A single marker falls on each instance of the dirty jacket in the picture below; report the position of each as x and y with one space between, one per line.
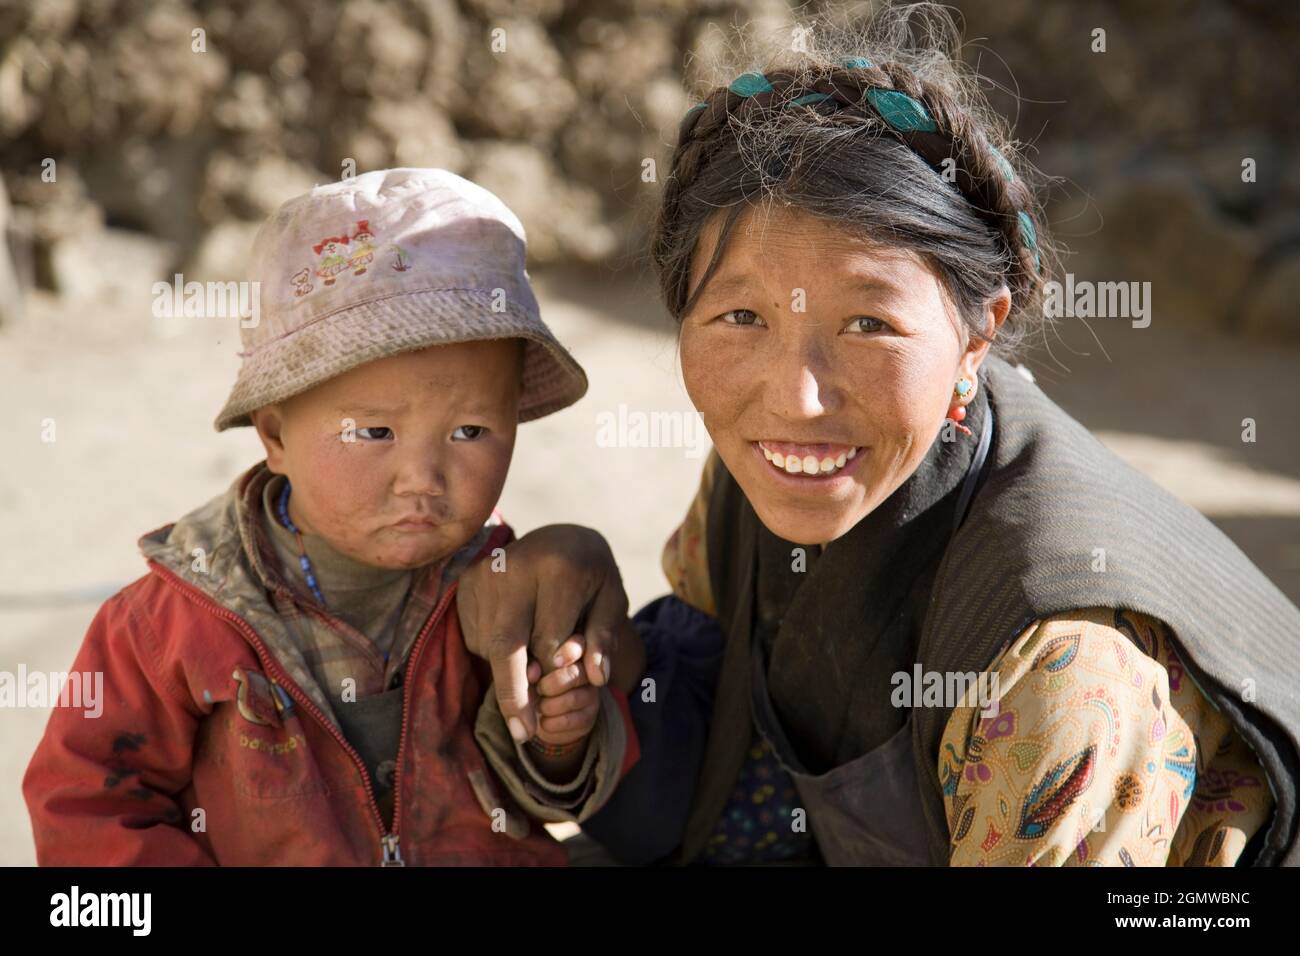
209 752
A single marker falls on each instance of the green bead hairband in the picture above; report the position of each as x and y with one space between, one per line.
904 114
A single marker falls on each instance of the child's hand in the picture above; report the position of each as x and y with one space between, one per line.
567 704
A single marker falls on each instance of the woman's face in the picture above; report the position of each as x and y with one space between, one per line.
811 351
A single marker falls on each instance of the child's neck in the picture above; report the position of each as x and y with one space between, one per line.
336 573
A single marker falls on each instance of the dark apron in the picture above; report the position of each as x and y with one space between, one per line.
866 812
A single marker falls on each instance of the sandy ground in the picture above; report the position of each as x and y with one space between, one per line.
132 400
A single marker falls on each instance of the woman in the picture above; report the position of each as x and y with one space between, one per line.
892 509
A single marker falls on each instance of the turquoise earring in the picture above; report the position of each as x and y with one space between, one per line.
957 412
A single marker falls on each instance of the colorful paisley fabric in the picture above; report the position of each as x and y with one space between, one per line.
1103 753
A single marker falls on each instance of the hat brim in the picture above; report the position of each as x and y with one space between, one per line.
343 340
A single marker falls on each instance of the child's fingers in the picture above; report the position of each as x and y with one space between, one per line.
562 680
583 719
564 738
569 652
579 699
534 672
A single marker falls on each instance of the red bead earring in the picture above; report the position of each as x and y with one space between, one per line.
957 412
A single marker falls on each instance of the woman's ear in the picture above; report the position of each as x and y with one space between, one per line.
269 421
995 313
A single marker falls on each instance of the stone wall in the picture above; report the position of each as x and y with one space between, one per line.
153 137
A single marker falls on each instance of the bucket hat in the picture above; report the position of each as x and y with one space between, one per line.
386 262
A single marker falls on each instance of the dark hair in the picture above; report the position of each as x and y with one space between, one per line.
849 168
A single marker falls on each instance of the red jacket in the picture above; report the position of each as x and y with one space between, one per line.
190 723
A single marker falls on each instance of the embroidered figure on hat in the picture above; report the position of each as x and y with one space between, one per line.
363 252
332 257
400 262
302 282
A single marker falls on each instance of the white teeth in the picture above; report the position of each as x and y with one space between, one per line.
808 464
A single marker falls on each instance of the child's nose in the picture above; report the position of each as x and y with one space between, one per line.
421 474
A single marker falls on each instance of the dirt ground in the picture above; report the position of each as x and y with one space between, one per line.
132 401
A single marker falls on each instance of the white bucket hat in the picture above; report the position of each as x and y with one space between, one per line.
386 262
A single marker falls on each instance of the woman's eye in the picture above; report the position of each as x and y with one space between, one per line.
467 432
375 434
866 324
742 317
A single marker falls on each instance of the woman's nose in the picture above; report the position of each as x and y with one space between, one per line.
803 386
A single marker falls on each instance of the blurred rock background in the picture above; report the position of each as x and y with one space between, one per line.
188 140
132 148
552 104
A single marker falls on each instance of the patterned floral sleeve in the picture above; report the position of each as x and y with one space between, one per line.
684 561
1101 751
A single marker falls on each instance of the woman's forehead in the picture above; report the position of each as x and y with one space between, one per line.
791 245
760 231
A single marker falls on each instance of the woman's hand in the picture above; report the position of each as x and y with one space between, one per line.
555 583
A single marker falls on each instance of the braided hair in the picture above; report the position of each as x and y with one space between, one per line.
885 155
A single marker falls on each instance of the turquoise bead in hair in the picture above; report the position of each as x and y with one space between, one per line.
1030 236
810 98
901 111
1006 167
750 84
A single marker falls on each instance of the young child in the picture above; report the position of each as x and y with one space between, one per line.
288 684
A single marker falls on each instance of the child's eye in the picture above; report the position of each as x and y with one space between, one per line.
872 324
467 432
375 434
742 317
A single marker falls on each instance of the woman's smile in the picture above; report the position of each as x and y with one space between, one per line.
818 458
801 465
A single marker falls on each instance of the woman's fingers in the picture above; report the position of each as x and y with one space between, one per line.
510 678
608 615
496 624
552 578
566 566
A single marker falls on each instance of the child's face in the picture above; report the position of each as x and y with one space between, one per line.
424 464
809 345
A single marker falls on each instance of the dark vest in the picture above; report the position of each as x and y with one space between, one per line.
1050 494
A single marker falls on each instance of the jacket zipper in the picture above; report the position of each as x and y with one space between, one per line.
391 854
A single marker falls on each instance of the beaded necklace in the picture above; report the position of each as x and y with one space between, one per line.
303 560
